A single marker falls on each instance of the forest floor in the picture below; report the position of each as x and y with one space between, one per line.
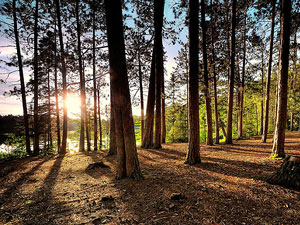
226 188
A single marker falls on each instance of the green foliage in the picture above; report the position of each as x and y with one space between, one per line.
14 147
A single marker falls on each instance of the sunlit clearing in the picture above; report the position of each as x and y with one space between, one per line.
73 105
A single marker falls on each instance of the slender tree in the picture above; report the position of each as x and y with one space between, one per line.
128 163
64 80
279 135
21 74
269 73
82 89
231 78
193 154
209 138
36 141
56 91
94 78
241 108
148 136
100 123
159 69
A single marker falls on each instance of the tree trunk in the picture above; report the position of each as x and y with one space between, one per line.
279 136
262 96
23 91
64 80
49 112
82 91
231 78
128 163
56 92
159 70
141 95
163 111
193 154
148 136
112 134
100 123
267 100
294 82
217 132
86 113
36 129
241 109
209 140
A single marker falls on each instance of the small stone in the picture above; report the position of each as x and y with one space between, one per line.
177 196
171 206
107 198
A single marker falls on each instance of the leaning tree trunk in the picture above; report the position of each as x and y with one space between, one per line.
268 83
193 154
231 78
128 163
64 80
148 136
159 70
279 136
82 91
209 139
23 92
288 174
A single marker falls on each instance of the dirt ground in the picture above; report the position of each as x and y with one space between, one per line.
226 188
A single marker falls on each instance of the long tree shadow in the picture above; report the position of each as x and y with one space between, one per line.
43 208
14 187
235 168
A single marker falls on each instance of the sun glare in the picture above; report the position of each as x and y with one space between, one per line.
73 105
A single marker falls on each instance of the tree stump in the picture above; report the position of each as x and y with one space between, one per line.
288 174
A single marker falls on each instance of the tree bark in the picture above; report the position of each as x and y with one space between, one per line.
64 80
231 78
209 139
94 79
241 109
56 91
294 81
49 113
279 136
100 123
141 94
217 132
82 91
193 154
148 136
36 142
268 83
163 111
128 163
21 74
159 70
262 97
112 134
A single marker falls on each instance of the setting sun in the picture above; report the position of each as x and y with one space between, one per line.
73 105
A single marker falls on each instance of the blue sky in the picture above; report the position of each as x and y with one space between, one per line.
12 105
